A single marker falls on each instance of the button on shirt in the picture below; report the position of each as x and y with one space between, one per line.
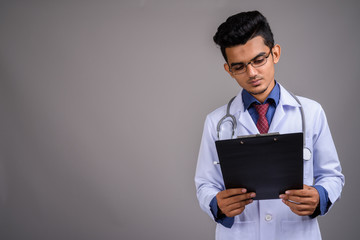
268 217
273 100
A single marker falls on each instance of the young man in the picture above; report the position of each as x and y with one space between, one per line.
247 44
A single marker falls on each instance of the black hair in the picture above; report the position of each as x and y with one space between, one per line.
240 28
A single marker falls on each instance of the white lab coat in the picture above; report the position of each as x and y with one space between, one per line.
272 219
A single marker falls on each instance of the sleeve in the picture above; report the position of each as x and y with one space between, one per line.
324 202
220 218
327 168
208 177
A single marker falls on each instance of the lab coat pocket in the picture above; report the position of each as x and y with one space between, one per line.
300 230
246 230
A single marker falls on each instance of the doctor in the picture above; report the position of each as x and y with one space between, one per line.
263 105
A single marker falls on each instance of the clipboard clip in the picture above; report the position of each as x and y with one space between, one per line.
259 135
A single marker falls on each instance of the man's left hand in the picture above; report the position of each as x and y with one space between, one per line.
302 202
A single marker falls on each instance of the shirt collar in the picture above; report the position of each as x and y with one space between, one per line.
273 97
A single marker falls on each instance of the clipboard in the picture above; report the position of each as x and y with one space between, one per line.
268 164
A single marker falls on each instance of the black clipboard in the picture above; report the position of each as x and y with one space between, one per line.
268 164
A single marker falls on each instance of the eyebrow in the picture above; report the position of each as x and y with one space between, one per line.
238 63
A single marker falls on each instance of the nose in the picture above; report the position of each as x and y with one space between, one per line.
251 71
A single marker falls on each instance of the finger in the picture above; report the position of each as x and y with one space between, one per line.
307 190
297 206
238 201
302 200
311 201
231 204
290 197
236 208
232 192
300 209
300 193
239 198
235 212
301 213
240 204
244 197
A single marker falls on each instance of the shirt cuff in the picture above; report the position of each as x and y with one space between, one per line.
324 200
220 218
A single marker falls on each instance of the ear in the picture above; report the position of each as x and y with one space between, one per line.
227 68
276 53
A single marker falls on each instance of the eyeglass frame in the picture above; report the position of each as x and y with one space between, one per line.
250 62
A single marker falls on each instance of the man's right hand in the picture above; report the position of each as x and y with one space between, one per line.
232 202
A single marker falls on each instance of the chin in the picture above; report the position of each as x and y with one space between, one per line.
257 91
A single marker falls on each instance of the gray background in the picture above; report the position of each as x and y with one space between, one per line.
102 105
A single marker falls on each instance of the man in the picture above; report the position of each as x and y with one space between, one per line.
247 44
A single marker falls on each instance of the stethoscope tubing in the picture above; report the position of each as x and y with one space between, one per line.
233 122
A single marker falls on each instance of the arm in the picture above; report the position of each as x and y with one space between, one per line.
326 171
213 198
326 166
208 177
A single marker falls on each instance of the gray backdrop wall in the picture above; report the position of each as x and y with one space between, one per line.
102 106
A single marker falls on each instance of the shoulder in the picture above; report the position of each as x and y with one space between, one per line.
310 105
217 114
309 102
314 113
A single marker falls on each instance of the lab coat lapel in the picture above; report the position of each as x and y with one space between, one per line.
246 123
286 100
277 118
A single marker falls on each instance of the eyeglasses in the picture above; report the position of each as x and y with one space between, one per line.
239 68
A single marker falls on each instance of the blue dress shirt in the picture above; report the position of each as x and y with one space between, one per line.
273 100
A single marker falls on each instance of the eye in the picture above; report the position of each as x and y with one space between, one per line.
238 67
259 60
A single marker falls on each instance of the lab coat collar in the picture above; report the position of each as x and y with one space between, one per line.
245 119
285 100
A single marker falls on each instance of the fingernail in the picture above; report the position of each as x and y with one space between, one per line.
281 196
244 190
252 195
287 192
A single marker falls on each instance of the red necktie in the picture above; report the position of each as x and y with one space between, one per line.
262 123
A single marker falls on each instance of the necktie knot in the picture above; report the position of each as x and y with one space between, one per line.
262 123
262 108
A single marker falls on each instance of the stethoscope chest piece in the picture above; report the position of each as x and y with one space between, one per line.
306 154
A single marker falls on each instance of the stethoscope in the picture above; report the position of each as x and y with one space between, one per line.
231 118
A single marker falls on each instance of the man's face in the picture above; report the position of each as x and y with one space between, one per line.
257 81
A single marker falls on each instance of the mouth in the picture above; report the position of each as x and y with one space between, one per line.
255 82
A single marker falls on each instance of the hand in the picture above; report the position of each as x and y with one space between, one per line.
232 202
302 202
